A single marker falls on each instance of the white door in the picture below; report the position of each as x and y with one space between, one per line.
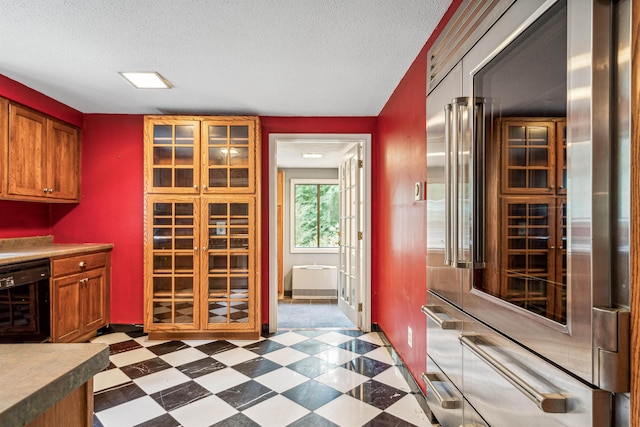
351 236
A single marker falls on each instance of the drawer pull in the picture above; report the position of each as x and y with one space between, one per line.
82 264
547 402
432 312
85 280
445 402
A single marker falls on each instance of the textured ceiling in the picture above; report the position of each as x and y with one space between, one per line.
262 57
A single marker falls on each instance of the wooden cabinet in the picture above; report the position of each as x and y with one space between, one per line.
200 155
42 157
202 227
80 294
532 213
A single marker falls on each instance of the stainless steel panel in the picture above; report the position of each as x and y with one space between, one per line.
495 397
443 345
588 252
443 398
471 416
441 278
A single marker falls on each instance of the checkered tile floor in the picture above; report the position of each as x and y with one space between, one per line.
293 378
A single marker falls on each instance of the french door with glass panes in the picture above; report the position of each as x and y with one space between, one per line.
202 259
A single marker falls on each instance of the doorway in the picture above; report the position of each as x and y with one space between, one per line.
338 147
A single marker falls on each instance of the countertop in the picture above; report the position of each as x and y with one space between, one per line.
31 248
36 376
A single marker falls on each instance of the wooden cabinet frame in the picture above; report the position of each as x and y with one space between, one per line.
194 302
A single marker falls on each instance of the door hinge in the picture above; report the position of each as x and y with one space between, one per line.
611 349
359 235
360 164
359 307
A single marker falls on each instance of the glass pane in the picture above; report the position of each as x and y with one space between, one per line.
238 262
184 287
184 263
218 177
517 157
218 244
162 156
184 244
160 243
239 133
218 312
218 285
239 177
239 312
218 209
185 134
162 134
162 312
237 243
184 156
162 177
162 263
538 179
516 135
240 285
538 135
218 156
218 262
217 135
517 178
161 286
239 156
184 177
306 215
184 312
239 209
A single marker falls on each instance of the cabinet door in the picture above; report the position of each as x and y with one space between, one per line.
228 152
66 300
27 153
528 157
228 264
94 304
64 161
173 156
172 255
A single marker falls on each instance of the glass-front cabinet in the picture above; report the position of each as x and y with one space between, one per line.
201 227
200 155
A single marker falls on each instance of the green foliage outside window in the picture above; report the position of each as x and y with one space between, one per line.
316 215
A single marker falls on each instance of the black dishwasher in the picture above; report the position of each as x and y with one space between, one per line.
24 302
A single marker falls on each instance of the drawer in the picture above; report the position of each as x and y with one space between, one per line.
444 399
78 264
499 375
445 323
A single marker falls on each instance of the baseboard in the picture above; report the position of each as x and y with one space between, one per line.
406 374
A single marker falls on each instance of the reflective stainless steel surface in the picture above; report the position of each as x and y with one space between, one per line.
502 403
553 371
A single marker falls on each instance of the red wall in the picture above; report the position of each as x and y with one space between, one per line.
111 206
401 220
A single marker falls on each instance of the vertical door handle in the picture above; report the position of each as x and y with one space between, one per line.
447 185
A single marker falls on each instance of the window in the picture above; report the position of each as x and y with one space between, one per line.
315 215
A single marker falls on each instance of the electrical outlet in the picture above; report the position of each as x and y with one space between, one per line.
409 336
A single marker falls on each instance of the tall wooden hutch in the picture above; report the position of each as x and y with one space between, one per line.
202 227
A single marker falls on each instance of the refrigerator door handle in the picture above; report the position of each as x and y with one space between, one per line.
447 186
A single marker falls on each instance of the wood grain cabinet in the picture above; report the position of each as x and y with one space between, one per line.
41 158
79 296
202 227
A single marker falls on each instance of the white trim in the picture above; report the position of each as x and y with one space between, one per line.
272 226
292 214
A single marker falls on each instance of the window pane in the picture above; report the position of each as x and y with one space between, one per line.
317 215
306 215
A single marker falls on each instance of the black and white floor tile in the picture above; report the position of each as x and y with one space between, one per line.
293 378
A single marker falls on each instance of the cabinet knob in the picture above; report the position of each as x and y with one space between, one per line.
45 190
204 248
195 248
82 264
50 190
195 187
204 187
85 280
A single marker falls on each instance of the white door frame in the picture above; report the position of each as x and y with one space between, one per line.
272 226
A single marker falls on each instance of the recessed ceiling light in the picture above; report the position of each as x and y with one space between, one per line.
146 79
312 155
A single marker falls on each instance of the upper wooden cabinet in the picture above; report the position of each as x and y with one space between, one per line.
201 155
41 157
